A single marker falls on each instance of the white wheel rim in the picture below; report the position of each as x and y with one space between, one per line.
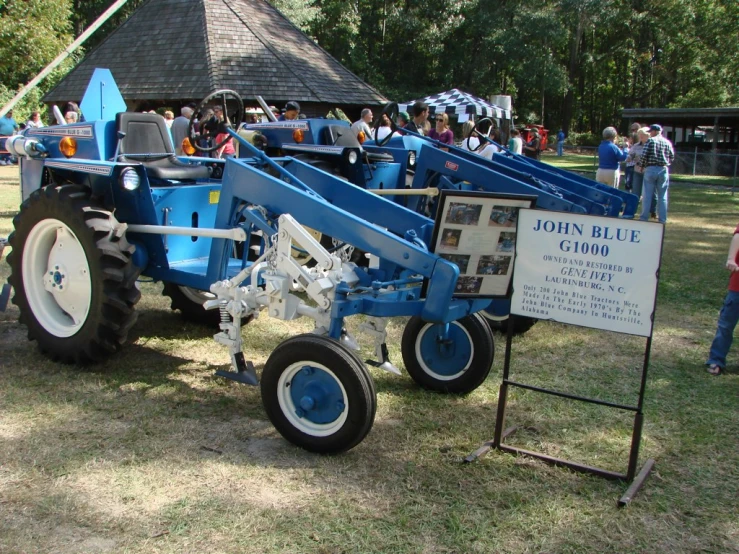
56 278
493 317
288 407
430 371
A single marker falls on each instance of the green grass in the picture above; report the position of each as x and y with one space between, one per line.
150 453
588 163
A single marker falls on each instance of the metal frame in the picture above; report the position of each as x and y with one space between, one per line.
500 434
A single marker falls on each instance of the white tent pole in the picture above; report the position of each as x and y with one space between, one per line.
61 57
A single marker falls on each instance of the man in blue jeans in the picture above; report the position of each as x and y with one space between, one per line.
656 159
560 143
729 315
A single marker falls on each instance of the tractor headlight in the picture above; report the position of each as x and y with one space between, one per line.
352 157
129 179
68 146
411 159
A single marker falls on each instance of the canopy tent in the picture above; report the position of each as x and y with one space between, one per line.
456 102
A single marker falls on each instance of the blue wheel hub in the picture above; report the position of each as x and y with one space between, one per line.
445 349
316 395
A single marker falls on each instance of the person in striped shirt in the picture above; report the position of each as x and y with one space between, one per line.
655 160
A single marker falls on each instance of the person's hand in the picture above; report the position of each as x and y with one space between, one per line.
731 265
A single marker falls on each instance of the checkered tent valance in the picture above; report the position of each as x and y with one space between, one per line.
456 102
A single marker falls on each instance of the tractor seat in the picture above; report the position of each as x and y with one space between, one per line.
338 135
147 141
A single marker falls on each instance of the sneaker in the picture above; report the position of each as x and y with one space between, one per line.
653 215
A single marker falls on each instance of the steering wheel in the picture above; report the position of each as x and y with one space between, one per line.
212 127
483 137
391 111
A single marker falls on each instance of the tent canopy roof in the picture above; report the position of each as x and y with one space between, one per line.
457 102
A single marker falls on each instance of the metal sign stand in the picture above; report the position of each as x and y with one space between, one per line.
500 435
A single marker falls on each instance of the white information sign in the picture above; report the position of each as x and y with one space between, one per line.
593 271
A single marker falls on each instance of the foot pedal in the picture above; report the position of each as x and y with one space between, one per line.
245 373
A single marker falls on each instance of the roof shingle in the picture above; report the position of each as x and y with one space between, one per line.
184 49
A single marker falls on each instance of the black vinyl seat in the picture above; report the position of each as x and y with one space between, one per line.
147 142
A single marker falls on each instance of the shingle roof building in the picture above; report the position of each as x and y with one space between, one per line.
175 51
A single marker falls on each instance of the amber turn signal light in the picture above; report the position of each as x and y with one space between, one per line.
187 148
298 135
361 137
68 146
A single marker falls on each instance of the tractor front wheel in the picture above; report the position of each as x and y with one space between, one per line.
318 394
71 269
454 357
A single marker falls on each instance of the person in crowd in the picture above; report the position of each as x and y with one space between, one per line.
532 149
180 126
656 159
71 117
609 157
488 148
420 115
635 153
168 119
515 144
362 125
292 111
441 131
227 150
560 143
469 142
73 107
35 121
275 111
384 128
729 315
8 127
634 132
402 119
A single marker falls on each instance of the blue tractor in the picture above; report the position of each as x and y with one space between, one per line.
411 169
106 201
435 166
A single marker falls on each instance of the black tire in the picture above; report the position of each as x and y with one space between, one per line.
521 325
189 302
450 371
101 276
285 368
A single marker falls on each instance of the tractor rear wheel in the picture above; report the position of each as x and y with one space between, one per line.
318 394
74 280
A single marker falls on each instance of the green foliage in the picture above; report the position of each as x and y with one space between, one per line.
32 34
583 139
573 64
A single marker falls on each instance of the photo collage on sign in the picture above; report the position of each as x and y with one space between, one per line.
479 236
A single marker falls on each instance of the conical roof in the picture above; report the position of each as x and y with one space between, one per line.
186 49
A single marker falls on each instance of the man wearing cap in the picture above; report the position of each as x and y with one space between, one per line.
292 111
532 148
180 125
656 158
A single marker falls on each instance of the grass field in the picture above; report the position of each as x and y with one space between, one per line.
150 453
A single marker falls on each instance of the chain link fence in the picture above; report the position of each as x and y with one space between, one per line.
696 163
